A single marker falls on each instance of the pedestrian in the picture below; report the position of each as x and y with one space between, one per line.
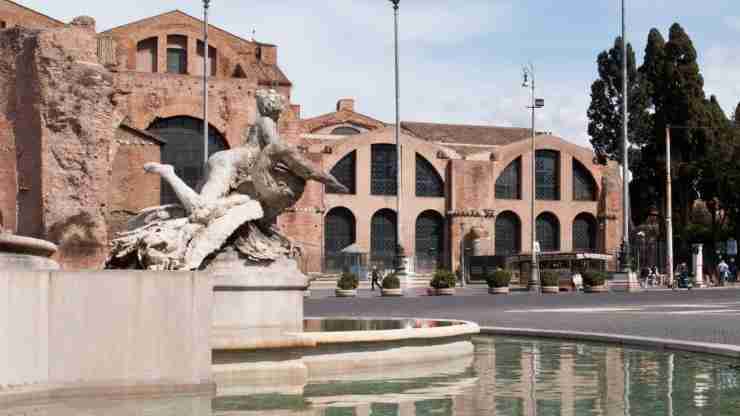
375 278
733 270
724 271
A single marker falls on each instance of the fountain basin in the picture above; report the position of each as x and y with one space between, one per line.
25 253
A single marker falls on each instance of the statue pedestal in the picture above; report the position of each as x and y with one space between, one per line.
698 264
625 281
254 306
24 253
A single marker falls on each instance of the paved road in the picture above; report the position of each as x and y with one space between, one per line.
707 315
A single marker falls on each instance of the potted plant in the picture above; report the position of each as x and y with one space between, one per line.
443 282
594 282
347 285
498 282
550 282
391 286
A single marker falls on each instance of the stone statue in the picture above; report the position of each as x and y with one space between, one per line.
244 191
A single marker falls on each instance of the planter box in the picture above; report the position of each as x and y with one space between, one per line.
391 292
499 290
341 293
596 289
551 289
447 291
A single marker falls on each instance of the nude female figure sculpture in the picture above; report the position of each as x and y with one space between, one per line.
245 189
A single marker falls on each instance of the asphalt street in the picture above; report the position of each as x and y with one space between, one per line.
705 315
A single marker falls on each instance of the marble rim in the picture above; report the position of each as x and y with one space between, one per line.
667 344
390 335
26 245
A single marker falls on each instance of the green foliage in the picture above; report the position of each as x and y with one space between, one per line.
348 281
443 279
591 279
499 278
391 282
550 279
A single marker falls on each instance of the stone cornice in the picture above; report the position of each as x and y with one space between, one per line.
472 213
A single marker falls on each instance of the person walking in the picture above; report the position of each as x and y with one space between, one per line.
733 270
375 279
724 272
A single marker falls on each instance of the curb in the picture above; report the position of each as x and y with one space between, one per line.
724 350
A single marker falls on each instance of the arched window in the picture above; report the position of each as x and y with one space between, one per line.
429 241
184 149
548 232
428 182
509 183
508 234
383 239
177 54
383 169
584 233
584 185
146 55
339 232
547 168
344 171
345 131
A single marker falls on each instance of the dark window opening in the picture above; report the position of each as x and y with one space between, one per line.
339 233
508 234
508 185
584 233
344 172
383 239
383 170
548 175
548 232
345 131
428 181
584 186
429 242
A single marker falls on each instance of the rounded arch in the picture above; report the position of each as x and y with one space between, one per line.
584 232
428 181
345 172
584 184
340 231
508 234
548 232
509 182
183 149
383 238
345 131
429 241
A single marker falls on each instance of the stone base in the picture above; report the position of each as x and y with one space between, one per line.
448 291
596 289
342 293
24 253
551 289
624 282
499 290
391 292
255 305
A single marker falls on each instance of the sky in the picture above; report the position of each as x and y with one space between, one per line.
461 60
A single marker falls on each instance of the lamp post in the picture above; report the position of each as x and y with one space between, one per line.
529 82
206 6
401 268
625 256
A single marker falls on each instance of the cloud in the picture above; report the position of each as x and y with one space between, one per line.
733 22
721 70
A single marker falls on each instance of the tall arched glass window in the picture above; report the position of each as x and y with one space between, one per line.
184 150
584 233
584 185
428 182
177 54
429 241
508 184
508 234
383 239
548 232
339 232
547 166
344 172
383 169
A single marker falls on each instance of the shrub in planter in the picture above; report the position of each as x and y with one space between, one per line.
550 279
391 282
593 279
348 281
443 279
499 278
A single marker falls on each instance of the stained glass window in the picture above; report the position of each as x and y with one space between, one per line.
339 232
548 232
344 172
428 182
547 168
383 239
383 169
584 233
508 184
508 234
584 186
429 241
184 150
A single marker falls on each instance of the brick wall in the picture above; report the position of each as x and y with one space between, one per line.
13 14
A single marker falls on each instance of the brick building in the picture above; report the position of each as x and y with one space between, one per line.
74 174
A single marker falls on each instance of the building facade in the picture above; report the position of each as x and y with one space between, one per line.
76 135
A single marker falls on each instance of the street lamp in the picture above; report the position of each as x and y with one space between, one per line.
535 103
401 267
206 6
625 255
